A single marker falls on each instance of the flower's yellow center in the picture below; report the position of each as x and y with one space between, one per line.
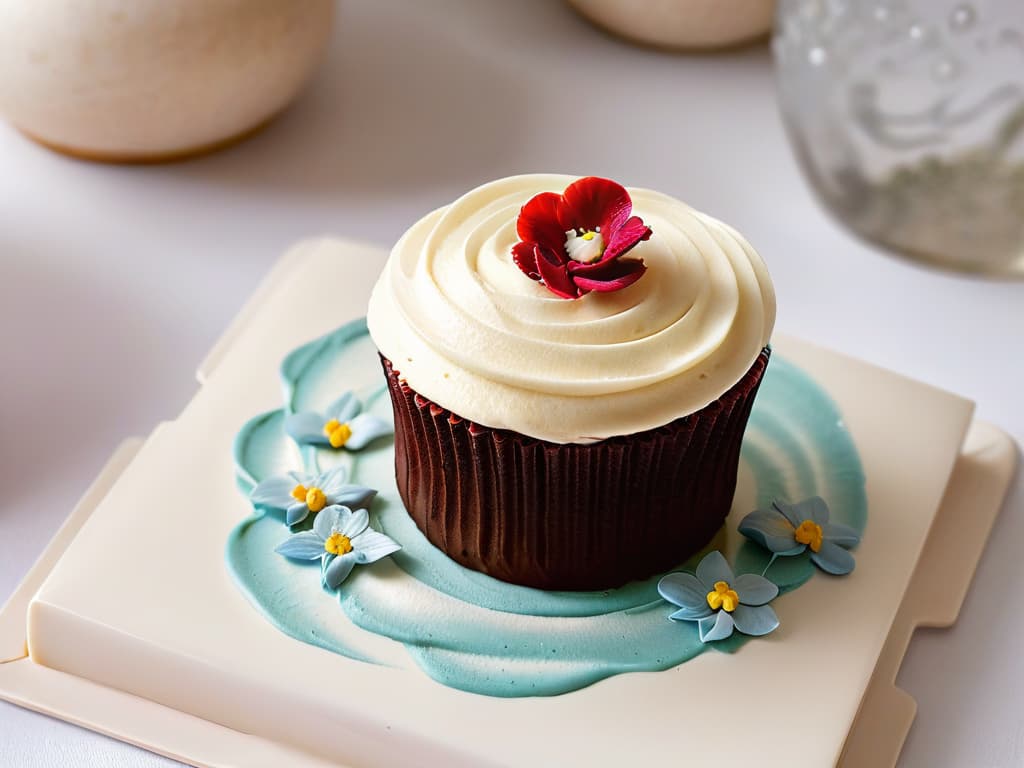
338 544
722 596
587 247
337 432
809 533
314 497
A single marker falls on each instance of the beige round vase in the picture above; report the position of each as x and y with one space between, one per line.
682 24
154 80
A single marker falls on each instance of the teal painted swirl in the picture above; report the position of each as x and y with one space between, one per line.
475 633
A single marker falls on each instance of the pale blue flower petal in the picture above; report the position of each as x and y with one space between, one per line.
713 568
345 408
302 546
296 513
691 614
684 590
351 523
370 546
332 482
306 427
716 627
327 519
755 620
365 429
791 512
754 589
843 535
339 569
814 509
353 496
276 492
833 559
771 530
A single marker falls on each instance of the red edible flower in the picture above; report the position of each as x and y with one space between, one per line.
574 242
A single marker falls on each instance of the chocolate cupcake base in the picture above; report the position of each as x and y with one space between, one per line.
569 516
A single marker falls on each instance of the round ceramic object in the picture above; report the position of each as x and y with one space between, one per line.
684 24
150 80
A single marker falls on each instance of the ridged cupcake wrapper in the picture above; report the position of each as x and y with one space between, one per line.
569 517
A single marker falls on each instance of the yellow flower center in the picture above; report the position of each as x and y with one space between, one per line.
722 596
809 532
337 432
338 544
589 235
314 497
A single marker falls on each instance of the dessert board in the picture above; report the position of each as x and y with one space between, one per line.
130 623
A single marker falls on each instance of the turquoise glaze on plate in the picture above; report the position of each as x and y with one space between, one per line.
475 633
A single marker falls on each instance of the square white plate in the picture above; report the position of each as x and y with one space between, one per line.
136 629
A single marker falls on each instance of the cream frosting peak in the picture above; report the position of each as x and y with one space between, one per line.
468 330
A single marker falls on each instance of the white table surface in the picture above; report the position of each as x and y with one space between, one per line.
115 281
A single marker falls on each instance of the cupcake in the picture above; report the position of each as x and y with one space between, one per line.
572 365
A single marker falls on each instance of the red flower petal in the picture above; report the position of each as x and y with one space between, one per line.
593 202
525 258
587 204
625 238
538 222
556 275
608 276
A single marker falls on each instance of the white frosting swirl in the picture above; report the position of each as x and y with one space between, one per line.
468 330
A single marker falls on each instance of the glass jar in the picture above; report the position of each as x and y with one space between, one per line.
907 116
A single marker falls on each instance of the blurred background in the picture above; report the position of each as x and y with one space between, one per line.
115 280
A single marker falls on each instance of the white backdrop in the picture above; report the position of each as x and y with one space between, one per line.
114 282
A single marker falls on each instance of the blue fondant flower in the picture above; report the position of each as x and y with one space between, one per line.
341 539
789 529
719 601
297 494
341 425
